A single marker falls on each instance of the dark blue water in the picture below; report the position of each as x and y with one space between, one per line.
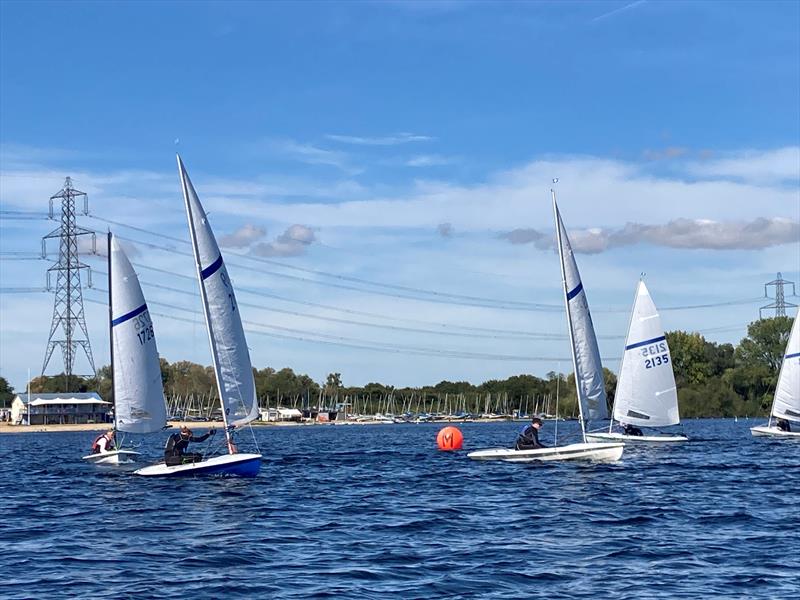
378 512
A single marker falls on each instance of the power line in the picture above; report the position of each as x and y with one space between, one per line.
440 297
301 335
468 300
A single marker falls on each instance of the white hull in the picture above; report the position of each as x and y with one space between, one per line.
647 439
766 431
244 465
116 457
604 452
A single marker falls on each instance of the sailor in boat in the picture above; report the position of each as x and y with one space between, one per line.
631 430
103 443
783 425
528 438
175 450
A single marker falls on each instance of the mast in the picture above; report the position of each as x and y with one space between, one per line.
624 349
204 298
111 336
569 319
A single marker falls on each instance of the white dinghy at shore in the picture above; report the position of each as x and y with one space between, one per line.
588 372
786 403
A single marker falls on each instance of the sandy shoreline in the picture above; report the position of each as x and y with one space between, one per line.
8 428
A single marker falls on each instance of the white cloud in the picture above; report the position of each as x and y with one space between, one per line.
429 160
757 166
314 155
242 237
292 242
388 140
681 233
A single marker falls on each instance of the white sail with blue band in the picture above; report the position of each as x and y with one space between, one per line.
588 367
138 388
786 404
646 393
228 344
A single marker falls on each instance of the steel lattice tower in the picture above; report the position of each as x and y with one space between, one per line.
780 303
68 313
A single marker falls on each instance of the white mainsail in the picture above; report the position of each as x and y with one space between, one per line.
586 355
646 392
138 390
228 345
787 394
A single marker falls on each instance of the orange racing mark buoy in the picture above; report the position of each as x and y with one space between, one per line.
450 438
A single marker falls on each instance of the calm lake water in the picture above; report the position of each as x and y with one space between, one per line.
378 512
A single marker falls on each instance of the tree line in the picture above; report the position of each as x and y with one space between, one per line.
713 380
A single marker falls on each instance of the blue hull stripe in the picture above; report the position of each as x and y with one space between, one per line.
211 269
646 342
575 292
792 355
129 316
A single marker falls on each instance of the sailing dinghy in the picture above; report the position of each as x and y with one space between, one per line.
139 404
234 373
646 392
588 371
786 403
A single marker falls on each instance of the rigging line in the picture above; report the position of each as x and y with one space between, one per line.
349 342
402 288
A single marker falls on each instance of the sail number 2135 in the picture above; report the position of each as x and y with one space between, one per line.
657 354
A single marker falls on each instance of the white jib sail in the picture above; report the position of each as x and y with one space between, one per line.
228 344
588 368
787 393
646 392
138 390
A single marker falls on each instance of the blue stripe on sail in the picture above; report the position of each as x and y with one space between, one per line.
575 292
795 355
645 343
129 316
211 269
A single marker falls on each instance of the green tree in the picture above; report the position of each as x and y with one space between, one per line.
6 393
689 360
758 359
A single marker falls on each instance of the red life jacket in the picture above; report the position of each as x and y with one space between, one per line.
96 443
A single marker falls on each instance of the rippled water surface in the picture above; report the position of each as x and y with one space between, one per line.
378 512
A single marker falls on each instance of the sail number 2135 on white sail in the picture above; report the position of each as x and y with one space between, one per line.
654 351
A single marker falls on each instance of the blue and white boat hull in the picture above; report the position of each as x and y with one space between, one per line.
231 465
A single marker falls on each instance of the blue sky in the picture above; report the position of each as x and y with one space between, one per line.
410 144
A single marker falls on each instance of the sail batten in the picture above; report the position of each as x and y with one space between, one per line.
229 351
138 390
589 381
646 392
786 404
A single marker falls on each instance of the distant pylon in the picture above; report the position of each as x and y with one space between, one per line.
68 307
780 303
